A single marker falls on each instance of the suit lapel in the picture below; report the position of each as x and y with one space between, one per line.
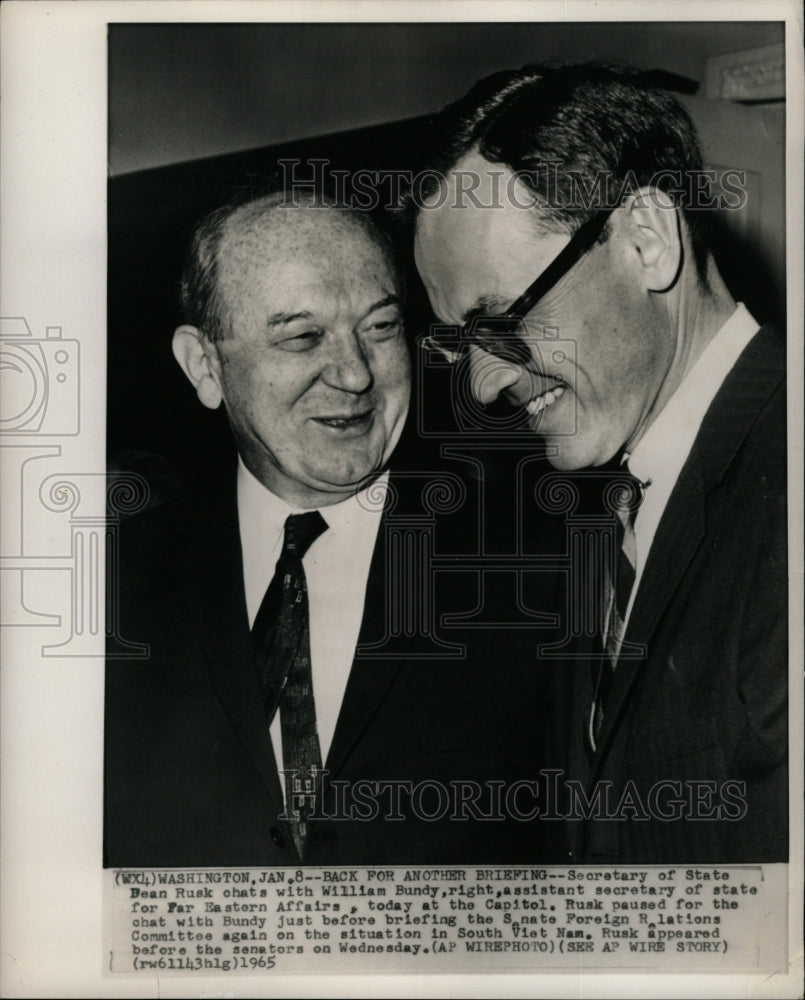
756 374
371 676
211 573
675 544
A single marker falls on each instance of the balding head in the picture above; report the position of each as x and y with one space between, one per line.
298 331
279 222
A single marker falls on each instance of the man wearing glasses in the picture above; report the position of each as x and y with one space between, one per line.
571 199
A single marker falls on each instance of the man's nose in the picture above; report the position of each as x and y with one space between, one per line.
490 375
348 367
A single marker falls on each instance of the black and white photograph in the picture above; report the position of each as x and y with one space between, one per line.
402 487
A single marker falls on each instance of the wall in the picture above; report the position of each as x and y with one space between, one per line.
185 91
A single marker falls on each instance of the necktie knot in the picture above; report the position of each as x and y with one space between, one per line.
301 531
625 495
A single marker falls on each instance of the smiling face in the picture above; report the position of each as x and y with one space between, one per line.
314 371
476 261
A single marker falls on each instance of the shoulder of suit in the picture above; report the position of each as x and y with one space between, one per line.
169 523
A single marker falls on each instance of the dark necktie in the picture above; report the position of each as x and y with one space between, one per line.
281 640
628 494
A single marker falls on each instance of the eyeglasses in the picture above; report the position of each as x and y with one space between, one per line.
498 335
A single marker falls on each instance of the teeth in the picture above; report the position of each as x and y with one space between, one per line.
341 421
546 399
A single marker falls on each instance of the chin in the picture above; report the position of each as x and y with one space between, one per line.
348 480
569 459
566 457
566 463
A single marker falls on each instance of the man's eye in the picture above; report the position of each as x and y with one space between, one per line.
384 329
301 341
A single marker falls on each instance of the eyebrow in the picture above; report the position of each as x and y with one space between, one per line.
387 300
283 318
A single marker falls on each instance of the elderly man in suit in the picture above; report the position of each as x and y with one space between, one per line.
572 199
257 733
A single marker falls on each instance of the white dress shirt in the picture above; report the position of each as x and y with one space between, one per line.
662 451
336 569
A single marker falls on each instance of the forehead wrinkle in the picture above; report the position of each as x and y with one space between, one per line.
255 233
298 229
340 254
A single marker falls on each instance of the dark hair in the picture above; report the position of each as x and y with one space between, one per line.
202 303
595 130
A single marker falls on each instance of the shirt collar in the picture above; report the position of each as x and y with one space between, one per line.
263 514
663 449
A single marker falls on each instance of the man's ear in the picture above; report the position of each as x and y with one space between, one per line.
198 359
656 236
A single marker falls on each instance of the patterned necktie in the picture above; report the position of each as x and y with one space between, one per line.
281 641
628 494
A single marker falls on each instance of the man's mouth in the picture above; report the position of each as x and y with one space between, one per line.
545 399
354 421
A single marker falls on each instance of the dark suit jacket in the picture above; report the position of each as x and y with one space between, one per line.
707 704
190 776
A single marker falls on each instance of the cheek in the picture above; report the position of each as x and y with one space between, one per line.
250 395
608 360
616 372
392 370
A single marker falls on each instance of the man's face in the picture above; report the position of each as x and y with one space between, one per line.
478 260
315 372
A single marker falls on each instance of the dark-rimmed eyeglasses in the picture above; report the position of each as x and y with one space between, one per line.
498 334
